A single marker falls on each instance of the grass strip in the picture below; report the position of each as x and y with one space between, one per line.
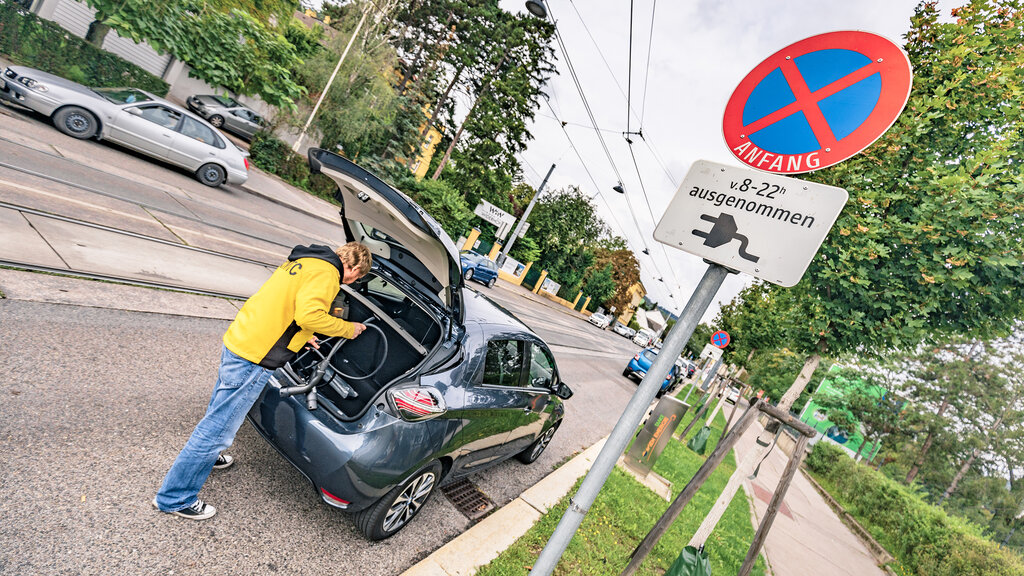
625 511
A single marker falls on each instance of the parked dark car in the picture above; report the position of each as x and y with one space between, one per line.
443 383
479 267
132 118
639 364
227 114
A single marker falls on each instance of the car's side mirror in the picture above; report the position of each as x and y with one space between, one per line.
563 391
134 111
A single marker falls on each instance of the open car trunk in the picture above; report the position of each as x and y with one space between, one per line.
353 379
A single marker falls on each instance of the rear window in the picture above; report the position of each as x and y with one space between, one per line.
123 95
650 355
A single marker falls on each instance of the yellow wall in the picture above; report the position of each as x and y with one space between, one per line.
636 293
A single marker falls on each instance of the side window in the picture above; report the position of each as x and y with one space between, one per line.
159 115
542 368
504 363
193 129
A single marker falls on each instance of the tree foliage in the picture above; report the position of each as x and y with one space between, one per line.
236 44
930 241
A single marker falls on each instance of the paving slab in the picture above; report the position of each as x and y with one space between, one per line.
36 287
19 242
97 251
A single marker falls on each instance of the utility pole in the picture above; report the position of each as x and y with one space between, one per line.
522 221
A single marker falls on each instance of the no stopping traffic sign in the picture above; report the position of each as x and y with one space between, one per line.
817 102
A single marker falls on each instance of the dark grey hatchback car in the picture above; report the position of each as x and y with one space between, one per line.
443 383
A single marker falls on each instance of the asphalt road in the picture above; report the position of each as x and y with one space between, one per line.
95 402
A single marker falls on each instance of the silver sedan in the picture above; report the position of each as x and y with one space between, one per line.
227 114
132 118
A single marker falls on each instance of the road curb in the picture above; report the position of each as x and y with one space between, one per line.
487 539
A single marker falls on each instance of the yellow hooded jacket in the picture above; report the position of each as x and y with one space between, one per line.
289 308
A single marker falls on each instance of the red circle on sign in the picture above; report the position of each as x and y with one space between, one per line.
720 339
838 116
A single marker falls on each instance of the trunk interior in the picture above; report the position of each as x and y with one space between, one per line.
358 357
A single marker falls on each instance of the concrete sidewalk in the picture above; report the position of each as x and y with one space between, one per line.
807 538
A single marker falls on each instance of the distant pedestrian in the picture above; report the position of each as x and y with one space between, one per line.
267 332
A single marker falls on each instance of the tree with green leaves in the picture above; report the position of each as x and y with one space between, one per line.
929 243
624 270
862 401
565 225
237 44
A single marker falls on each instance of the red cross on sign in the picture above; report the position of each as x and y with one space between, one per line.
817 102
720 339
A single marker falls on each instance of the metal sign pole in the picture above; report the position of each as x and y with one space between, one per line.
617 441
709 376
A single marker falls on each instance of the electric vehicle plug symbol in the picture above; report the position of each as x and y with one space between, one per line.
723 232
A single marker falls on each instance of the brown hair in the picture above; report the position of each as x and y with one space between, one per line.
355 256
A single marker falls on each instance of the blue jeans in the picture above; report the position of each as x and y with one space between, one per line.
239 383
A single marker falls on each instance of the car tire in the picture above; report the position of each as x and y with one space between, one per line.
216 120
76 122
627 372
394 511
533 451
210 174
469 274
490 283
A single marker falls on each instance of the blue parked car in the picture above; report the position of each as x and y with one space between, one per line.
641 363
479 267
441 385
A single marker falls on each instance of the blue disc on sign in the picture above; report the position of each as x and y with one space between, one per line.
817 102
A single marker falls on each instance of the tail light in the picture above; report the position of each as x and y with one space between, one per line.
417 403
637 357
246 160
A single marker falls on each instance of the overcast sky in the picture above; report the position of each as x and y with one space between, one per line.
699 52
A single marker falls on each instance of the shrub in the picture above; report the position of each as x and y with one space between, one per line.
441 201
823 457
922 537
276 157
42 44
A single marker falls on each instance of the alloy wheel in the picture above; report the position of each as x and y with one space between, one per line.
409 501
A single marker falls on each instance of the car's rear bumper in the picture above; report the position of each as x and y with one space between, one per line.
355 462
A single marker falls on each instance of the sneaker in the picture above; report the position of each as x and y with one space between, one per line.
223 461
199 510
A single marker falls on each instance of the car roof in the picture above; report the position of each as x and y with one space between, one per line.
483 311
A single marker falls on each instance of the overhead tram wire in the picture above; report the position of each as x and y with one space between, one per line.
591 176
629 141
597 131
647 71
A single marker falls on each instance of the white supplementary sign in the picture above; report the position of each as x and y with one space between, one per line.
491 213
765 225
712 352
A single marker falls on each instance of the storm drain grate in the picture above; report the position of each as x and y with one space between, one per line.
468 499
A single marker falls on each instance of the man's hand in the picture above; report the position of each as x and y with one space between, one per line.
358 329
314 342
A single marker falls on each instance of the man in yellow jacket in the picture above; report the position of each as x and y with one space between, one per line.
268 331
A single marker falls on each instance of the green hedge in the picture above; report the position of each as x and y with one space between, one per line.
276 157
32 41
925 540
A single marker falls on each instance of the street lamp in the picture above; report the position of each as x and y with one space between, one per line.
618 188
537 8
529 208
